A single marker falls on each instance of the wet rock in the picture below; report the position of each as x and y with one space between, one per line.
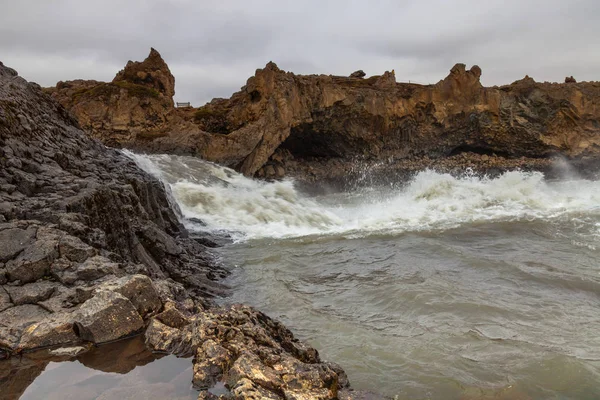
106 317
139 290
279 171
206 395
247 389
269 171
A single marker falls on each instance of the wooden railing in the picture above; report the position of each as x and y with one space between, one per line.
179 105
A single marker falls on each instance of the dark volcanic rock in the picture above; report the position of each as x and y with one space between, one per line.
75 215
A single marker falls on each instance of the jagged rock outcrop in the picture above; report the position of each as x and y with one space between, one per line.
257 357
134 104
324 125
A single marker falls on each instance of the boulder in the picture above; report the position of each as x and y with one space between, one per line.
56 329
14 320
34 262
213 360
106 317
139 290
358 74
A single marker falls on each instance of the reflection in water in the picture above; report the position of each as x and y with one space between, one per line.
123 370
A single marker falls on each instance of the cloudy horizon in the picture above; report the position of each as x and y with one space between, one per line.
212 47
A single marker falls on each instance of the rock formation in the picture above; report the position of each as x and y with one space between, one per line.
324 126
92 251
135 104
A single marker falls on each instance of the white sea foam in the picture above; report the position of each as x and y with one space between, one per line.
226 200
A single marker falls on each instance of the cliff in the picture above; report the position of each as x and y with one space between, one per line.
134 104
280 123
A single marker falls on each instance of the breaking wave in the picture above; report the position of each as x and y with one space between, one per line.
250 209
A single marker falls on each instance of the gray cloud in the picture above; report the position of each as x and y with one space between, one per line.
213 46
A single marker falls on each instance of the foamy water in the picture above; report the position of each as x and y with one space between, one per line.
252 209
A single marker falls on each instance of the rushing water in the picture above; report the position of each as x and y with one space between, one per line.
440 288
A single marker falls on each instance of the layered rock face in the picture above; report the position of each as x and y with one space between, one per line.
91 251
280 124
134 104
282 119
74 215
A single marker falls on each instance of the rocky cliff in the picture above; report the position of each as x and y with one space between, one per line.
92 251
133 105
280 123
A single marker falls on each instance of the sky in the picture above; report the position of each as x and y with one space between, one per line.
212 47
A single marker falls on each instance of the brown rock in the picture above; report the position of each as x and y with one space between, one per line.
570 79
163 338
358 74
14 320
279 171
153 72
212 361
307 118
173 317
56 329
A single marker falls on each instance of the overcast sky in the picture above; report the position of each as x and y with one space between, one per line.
212 47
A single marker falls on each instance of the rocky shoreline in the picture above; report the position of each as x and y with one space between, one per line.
91 251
